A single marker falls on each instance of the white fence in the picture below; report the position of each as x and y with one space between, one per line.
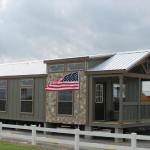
76 143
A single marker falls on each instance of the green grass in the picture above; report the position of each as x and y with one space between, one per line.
12 146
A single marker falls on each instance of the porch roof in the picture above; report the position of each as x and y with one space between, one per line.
121 61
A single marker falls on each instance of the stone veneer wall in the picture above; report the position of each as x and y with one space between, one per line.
79 102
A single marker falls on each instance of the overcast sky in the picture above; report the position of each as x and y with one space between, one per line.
39 29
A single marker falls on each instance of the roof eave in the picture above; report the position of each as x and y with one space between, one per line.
66 60
107 72
138 62
22 76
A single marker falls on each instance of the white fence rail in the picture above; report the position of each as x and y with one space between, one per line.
76 143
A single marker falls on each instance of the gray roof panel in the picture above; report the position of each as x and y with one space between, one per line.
36 67
121 61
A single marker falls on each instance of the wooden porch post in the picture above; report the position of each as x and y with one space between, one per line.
121 98
139 100
90 90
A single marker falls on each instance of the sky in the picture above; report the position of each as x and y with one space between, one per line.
49 29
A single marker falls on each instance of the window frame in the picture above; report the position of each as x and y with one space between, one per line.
6 89
99 96
27 86
75 69
124 95
116 86
65 102
56 67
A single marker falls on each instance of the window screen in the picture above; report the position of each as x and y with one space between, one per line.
3 95
145 91
116 92
26 92
56 68
75 66
65 102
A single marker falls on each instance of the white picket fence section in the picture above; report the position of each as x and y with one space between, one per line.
76 143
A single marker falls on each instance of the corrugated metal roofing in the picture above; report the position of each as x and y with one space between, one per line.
106 55
121 61
23 68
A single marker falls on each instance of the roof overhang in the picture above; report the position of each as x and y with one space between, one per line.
120 62
107 72
66 60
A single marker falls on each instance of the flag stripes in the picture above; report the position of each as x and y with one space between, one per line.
69 82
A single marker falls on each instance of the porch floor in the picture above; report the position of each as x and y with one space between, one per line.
122 124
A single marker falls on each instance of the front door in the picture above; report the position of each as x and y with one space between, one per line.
99 101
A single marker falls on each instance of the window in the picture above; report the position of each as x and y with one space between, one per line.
3 95
99 97
65 102
116 90
75 66
145 91
26 92
56 68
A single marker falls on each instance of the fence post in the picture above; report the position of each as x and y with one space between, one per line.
33 127
0 130
77 139
133 141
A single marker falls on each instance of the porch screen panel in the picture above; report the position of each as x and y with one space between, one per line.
65 100
26 92
3 95
145 91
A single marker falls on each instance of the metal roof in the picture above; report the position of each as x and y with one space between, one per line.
23 68
122 61
103 55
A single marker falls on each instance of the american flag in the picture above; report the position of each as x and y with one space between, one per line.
68 82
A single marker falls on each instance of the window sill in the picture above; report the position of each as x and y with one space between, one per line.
3 111
26 113
64 115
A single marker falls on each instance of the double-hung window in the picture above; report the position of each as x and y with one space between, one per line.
3 95
26 92
65 101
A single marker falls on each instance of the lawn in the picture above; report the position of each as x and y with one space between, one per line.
12 146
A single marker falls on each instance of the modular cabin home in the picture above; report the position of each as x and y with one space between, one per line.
22 92
108 91
114 91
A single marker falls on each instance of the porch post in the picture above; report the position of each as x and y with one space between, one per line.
121 98
90 90
139 100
